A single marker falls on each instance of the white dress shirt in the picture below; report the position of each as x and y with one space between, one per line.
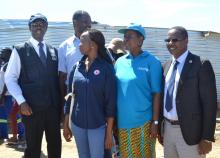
172 114
68 55
13 72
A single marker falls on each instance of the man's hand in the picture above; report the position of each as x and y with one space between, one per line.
25 109
204 147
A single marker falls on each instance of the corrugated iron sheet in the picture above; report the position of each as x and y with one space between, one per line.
13 32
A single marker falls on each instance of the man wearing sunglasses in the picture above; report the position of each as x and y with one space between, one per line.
32 79
189 102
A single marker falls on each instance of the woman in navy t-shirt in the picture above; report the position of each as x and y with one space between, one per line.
95 98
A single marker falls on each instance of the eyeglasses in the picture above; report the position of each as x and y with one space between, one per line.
38 25
173 40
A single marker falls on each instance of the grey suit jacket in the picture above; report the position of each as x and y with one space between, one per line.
196 99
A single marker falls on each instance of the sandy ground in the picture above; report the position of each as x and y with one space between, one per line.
69 149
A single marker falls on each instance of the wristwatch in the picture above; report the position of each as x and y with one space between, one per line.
207 141
155 122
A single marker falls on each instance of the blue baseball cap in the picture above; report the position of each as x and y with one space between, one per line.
135 27
37 16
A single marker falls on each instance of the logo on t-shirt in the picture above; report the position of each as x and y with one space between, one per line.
143 69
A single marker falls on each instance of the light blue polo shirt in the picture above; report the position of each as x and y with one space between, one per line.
137 79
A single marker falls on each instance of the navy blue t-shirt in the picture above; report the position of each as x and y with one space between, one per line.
95 94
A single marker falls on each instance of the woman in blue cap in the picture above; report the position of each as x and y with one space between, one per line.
139 77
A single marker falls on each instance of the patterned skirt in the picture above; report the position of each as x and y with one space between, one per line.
136 142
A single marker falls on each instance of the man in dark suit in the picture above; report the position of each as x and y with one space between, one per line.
190 100
32 79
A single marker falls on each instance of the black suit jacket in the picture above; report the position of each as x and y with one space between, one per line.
196 99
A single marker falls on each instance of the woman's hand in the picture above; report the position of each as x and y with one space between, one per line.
66 130
108 140
108 133
153 130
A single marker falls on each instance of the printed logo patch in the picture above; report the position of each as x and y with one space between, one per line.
96 72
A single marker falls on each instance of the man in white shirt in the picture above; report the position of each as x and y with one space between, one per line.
68 52
32 79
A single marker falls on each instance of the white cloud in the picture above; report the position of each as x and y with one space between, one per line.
167 8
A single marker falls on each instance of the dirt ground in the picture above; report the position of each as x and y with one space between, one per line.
69 149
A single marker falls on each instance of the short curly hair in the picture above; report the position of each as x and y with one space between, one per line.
181 30
78 14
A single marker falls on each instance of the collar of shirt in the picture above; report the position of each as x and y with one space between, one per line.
181 58
75 38
35 43
181 61
143 54
97 59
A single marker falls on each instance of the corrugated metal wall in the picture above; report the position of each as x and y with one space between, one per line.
16 31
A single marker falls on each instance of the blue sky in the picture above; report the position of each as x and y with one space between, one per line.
192 14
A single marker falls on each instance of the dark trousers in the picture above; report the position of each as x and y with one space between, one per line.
47 121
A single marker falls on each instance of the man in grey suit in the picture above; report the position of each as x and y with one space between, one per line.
189 102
